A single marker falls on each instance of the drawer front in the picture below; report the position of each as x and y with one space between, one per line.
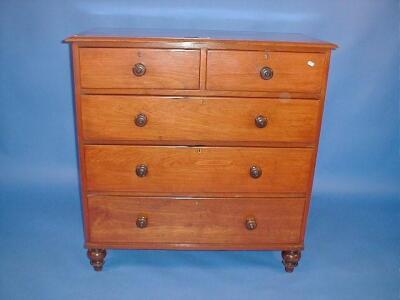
222 220
241 71
162 68
197 169
203 120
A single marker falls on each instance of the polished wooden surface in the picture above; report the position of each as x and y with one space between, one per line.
165 68
184 175
79 133
116 35
197 169
221 221
201 93
240 70
194 246
201 120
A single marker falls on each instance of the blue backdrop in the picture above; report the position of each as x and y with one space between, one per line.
353 243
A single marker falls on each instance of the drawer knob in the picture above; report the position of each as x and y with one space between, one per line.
261 121
141 170
266 73
251 223
139 69
142 222
141 120
255 172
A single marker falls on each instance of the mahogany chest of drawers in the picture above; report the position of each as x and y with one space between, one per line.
205 142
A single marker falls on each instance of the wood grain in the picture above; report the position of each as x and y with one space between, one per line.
164 35
165 68
197 169
194 246
79 138
314 159
240 70
112 219
198 91
204 120
202 93
210 40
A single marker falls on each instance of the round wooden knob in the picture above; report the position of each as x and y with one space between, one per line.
261 121
141 120
251 223
142 222
141 170
255 172
266 73
139 69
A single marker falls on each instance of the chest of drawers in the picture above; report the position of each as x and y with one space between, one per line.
205 142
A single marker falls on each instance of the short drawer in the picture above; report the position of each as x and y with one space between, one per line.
265 71
139 68
198 120
250 221
194 170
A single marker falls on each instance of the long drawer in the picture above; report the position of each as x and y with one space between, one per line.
251 221
265 71
180 170
198 120
139 68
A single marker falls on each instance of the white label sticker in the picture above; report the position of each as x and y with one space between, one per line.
311 63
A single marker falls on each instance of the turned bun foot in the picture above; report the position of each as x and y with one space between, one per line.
291 259
96 257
